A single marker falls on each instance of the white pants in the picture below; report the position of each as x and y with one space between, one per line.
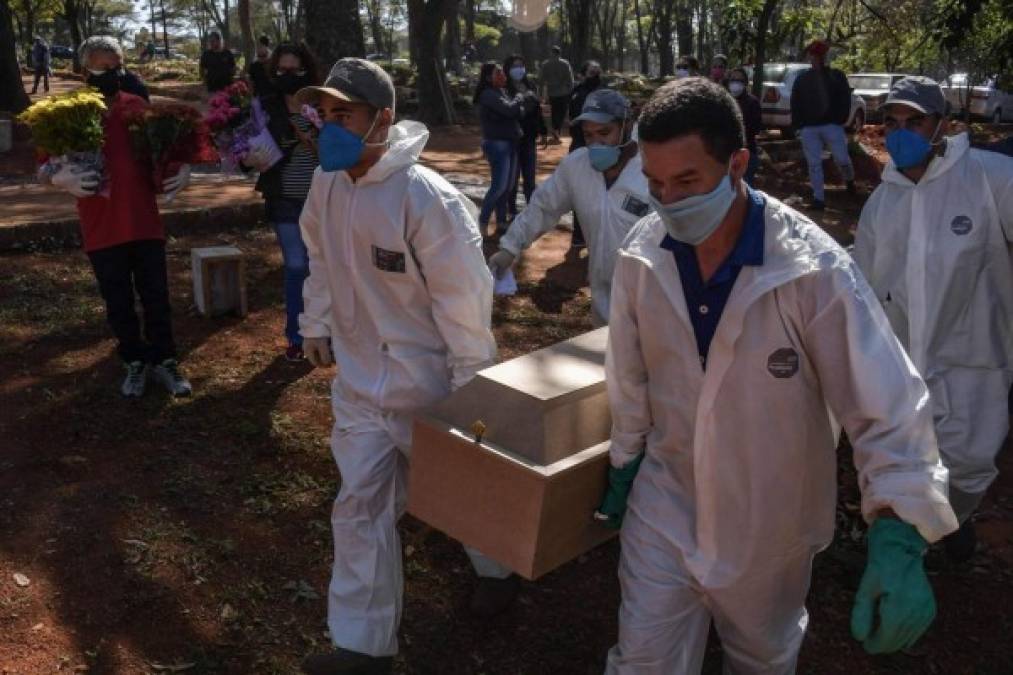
665 614
971 413
814 139
365 593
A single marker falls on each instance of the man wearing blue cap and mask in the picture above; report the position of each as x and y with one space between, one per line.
399 290
741 339
935 241
601 183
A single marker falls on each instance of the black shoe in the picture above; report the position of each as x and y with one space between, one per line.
494 596
852 188
818 205
346 662
960 545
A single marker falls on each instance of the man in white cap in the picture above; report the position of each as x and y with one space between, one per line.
601 183
935 241
398 289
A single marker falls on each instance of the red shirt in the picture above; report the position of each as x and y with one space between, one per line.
129 212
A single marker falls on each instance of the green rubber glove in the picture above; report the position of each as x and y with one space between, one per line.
613 505
894 589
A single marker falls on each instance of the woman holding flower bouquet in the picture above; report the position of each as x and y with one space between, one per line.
120 226
286 183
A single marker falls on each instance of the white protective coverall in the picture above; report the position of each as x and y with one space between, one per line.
399 283
939 256
737 491
606 217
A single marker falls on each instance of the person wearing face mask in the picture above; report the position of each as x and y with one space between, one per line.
601 183
285 184
752 118
122 232
499 113
935 241
217 64
400 299
741 339
532 126
688 66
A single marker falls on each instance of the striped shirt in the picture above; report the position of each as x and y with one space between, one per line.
297 174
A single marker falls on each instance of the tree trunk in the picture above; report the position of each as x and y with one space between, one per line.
528 51
375 27
684 29
762 24
246 30
469 20
579 20
72 14
12 89
662 23
645 62
452 37
165 30
334 30
426 18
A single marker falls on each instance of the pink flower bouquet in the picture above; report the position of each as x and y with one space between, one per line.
238 125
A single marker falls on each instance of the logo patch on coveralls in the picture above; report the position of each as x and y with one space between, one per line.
783 363
388 261
961 225
633 205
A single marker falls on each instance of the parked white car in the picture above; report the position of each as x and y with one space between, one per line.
983 101
873 88
775 103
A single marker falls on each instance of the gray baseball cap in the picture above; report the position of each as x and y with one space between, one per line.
603 106
356 81
921 93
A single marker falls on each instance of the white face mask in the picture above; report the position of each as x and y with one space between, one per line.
736 88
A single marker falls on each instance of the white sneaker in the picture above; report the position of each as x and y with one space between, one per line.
167 374
133 384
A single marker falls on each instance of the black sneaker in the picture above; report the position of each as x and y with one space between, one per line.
346 662
818 205
494 596
133 383
167 374
960 545
852 188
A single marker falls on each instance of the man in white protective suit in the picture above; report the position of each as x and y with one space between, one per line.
935 241
739 333
602 183
399 289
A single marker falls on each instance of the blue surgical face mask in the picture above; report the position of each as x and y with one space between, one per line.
907 148
693 219
517 73
339 148
603 157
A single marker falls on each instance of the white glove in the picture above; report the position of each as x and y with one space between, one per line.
173 184
258 159
500 262
77 181
317 351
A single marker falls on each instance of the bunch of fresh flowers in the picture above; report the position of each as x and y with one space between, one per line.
168 135
67 128
238 124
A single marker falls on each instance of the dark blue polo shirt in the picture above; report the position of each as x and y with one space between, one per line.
706 301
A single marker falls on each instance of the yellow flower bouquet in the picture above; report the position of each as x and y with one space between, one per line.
67 128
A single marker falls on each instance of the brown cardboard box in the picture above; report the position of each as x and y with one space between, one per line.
524 494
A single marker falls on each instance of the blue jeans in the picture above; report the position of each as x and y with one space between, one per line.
813 141
527 163
502 156
284 215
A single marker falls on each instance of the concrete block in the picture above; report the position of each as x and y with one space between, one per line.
219 280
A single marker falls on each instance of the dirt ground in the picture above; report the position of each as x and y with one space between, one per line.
163 535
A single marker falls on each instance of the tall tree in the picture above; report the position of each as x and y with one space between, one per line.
12 88
72 15
334 29
452 37
246 30
426 18
664 14
374 11
643 40
762 25
579 18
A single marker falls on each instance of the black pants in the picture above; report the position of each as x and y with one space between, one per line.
41 74
140 266
558 105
